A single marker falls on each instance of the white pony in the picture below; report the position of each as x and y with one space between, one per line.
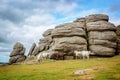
82 54
39 58
77 54
43 55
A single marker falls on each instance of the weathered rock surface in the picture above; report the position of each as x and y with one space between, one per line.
92 32
100 26
79 72
104 35
66 43
36 50
17 58
118 39
17 55
32 49
80 20
101 35
47 33
118 30
96 17
105 43
69 37
69 29
100 50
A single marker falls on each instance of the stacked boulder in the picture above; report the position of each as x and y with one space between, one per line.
17 55
44 43
118 39
32 49
69 37
101 35
92 32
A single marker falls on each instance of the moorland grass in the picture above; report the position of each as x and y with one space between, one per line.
109 69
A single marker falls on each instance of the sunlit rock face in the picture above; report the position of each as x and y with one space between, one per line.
93 33
101 35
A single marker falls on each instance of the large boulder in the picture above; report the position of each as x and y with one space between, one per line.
17 55
101 35
69 37
104 35
45 43
47 32
100 26
46 40
96 17
74 43
31 49
18 58
35 51
118 39
16 52
100 50
105 43
66 33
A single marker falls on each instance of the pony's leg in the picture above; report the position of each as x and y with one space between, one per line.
63 57
80 57
39 60
46 57
83 57
76 57
88 57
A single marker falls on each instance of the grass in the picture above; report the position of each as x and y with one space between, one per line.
100 69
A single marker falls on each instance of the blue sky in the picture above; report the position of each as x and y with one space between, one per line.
26 20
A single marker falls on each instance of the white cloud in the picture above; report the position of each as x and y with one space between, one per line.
65 8
115 21
40 19
3 48
88 12
73 16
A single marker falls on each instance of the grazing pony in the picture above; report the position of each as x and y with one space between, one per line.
77 54
82 54
41 56
57 56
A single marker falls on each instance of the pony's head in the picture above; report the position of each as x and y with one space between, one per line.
91 52
75 51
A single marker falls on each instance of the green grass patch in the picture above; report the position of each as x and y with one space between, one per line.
63 70
111 74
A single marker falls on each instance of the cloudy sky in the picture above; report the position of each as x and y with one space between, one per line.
25 20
